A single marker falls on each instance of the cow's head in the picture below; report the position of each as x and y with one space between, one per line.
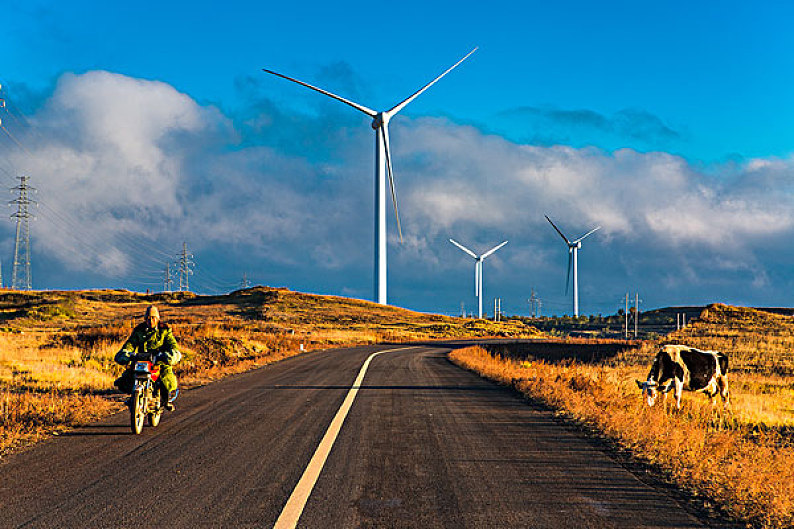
649 391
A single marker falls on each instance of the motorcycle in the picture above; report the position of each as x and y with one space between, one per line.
149 397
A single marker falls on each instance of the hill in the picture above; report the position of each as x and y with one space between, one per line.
757 340
57 347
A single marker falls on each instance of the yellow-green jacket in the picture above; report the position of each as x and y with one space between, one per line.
159 342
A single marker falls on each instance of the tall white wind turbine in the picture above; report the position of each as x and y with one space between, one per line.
573 257
383 167
478 270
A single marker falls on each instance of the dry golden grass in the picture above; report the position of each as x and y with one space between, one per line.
57 348
760 349
747 472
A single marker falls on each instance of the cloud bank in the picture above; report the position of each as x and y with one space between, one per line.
128 169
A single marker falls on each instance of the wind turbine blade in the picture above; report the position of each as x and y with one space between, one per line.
400 106
384 132
587 234
463 248
368 111
557 229
492 250
568 277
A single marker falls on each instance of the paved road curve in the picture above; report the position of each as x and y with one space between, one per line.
425 444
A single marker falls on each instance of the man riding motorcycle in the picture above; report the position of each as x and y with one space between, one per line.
153 337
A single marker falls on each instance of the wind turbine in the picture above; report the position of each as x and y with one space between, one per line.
573 254
478 270
383 166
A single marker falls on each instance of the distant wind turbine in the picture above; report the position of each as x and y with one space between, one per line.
383 166
573 253
478 270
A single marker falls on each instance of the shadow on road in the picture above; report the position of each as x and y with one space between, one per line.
97 430
391 388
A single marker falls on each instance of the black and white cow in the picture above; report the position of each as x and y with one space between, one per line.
680 367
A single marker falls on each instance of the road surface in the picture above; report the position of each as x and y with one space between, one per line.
423 444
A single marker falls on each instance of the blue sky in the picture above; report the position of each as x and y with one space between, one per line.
666 123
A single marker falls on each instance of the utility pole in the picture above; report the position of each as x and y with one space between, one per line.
636 312
185 264
626 318
20 274
497 309
168 278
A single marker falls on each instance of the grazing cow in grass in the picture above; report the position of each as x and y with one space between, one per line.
680 367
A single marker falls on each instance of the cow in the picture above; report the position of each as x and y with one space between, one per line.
680 367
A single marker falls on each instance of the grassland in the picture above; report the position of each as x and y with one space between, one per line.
744 464
57 348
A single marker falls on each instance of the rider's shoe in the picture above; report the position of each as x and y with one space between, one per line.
171 398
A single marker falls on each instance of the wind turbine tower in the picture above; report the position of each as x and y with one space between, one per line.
573 257
383 168
478 270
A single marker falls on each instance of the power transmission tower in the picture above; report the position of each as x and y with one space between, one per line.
20 273
245 283
168 278
185 268
534 303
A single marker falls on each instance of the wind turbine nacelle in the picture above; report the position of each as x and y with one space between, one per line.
379 120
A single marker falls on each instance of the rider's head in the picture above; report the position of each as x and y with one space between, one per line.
152 316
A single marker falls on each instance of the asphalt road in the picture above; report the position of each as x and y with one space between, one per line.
425 444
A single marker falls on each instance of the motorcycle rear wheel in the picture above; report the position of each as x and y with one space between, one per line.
137 412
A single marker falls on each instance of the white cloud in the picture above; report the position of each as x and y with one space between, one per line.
134 167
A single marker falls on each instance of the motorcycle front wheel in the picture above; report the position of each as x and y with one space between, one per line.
155 416
137 412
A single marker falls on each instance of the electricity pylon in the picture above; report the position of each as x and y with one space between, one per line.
168 278
20 274
185 268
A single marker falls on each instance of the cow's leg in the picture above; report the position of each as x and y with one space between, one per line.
713 398
722 384
679 391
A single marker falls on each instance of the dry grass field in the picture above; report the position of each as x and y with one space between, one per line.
57 348
745 467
